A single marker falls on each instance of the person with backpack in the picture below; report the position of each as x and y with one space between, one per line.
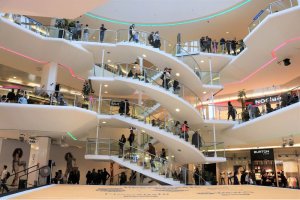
184 131
4 176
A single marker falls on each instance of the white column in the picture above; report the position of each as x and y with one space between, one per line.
39 154
97 138
210 71
141 64
49 75
215 139
140 100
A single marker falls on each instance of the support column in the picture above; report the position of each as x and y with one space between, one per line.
141 64
215 139
39 154
140 100
97 138
49 75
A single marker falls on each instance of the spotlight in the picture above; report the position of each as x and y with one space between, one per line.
287 62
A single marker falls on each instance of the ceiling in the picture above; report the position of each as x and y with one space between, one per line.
55 8
235 22
259 66
157 11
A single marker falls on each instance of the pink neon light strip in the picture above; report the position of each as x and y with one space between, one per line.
274 57
43 62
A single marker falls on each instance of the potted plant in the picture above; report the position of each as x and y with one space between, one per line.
241 98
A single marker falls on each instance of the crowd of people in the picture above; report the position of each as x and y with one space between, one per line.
98 177
226 46
19 97
22 97
252 111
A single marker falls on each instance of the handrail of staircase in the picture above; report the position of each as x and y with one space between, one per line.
133 150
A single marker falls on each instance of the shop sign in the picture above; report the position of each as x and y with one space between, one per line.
262 154
268 99
115 103
271 99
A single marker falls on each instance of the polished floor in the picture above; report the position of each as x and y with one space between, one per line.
157 192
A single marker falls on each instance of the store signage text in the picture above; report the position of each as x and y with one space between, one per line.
267 99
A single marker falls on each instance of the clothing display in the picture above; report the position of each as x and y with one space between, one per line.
292 182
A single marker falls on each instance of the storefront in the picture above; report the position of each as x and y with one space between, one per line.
263 165
271 162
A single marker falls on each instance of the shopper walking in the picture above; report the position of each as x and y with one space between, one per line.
152 154
231 111
131 32
184 131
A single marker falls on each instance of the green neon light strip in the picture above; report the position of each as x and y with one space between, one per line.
72 136
170 24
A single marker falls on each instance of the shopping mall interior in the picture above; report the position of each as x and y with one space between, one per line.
161 99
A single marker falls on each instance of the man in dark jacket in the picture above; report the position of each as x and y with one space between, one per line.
105 175
196 140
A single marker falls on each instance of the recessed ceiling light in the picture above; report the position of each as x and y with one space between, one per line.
227 32
105 92
204 92
105 85
108 60
202 61
144 56
177 74
14 77
177 110
103 122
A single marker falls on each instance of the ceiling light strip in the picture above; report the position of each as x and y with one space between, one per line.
72 136
171 24
274 57
43 62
